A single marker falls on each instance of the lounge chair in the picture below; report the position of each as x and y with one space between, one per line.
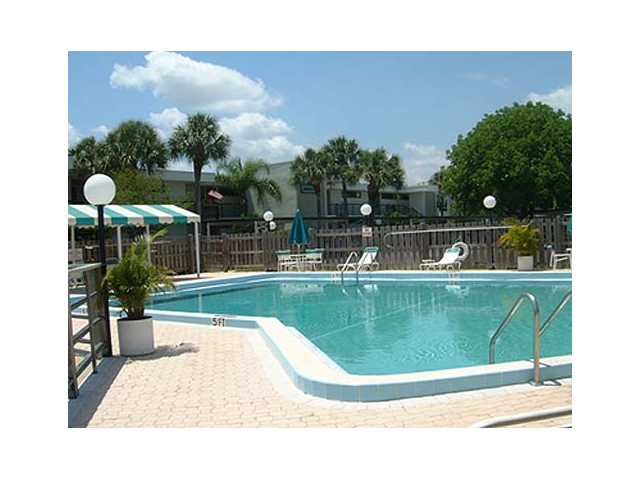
450 260
366 262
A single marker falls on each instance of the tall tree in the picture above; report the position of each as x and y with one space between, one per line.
88 156
344 164
135 187
379 170
134 145
310 168
437 180
245 177
521 154
200 140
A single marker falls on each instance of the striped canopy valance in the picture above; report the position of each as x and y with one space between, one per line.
87 215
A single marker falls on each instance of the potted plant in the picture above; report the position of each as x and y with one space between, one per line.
132 282
524 239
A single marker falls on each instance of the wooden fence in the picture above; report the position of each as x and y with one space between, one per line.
256 251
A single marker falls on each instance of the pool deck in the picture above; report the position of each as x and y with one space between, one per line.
201 376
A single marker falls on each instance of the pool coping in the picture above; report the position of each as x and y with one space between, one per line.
314 375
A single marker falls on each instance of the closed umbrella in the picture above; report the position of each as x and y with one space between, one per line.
299 234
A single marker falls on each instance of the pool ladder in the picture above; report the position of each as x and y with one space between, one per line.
538 329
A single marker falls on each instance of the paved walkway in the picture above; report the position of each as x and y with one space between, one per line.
206 377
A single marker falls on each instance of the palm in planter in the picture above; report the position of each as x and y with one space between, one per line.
132 282
524 239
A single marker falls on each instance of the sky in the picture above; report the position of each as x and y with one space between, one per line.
274 105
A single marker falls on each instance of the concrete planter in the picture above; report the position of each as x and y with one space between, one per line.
525 263
136 336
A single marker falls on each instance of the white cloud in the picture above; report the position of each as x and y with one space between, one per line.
255 135
74 136
101 131
165 121
193 85
422 161
254 126
558 99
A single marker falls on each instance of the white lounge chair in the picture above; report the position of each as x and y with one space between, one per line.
366 262
450 260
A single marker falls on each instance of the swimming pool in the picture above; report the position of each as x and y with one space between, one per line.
390 335
379 328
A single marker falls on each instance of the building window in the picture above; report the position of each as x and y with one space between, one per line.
388 196
353 194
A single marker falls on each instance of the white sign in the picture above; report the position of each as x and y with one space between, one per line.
367 232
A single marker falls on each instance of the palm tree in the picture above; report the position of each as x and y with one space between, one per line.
343 155
379 170
310 168
200 140
242 178
88 156
134 145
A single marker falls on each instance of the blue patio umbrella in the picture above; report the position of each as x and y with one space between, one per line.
299 234
570 224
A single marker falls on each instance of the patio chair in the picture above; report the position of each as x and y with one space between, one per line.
450 260
285 260
366 262
313 257
557 258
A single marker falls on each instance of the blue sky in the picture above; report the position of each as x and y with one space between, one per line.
274 105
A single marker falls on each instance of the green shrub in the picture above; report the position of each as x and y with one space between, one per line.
521 237
134 279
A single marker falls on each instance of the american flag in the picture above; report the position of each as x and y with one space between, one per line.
215 194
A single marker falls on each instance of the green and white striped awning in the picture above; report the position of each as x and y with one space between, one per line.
87 215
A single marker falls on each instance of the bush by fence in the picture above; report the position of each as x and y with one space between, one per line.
256 251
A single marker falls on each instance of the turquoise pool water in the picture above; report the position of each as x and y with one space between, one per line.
402 327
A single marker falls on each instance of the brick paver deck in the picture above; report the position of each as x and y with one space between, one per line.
202 376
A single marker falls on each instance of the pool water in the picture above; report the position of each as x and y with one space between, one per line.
399 327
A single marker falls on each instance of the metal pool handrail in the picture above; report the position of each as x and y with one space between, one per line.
555 312
536 333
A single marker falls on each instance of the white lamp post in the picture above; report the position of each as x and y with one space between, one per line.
489 203
99 190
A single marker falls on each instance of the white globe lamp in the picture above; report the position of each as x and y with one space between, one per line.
365 209
268 216
272 226
489 202
99 189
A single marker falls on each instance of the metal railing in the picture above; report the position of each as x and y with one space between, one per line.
347 264
94 333
555 312
536 333
538 329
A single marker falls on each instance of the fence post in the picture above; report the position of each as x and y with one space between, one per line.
226 253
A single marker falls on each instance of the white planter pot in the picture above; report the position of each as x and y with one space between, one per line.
525 263
135 336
